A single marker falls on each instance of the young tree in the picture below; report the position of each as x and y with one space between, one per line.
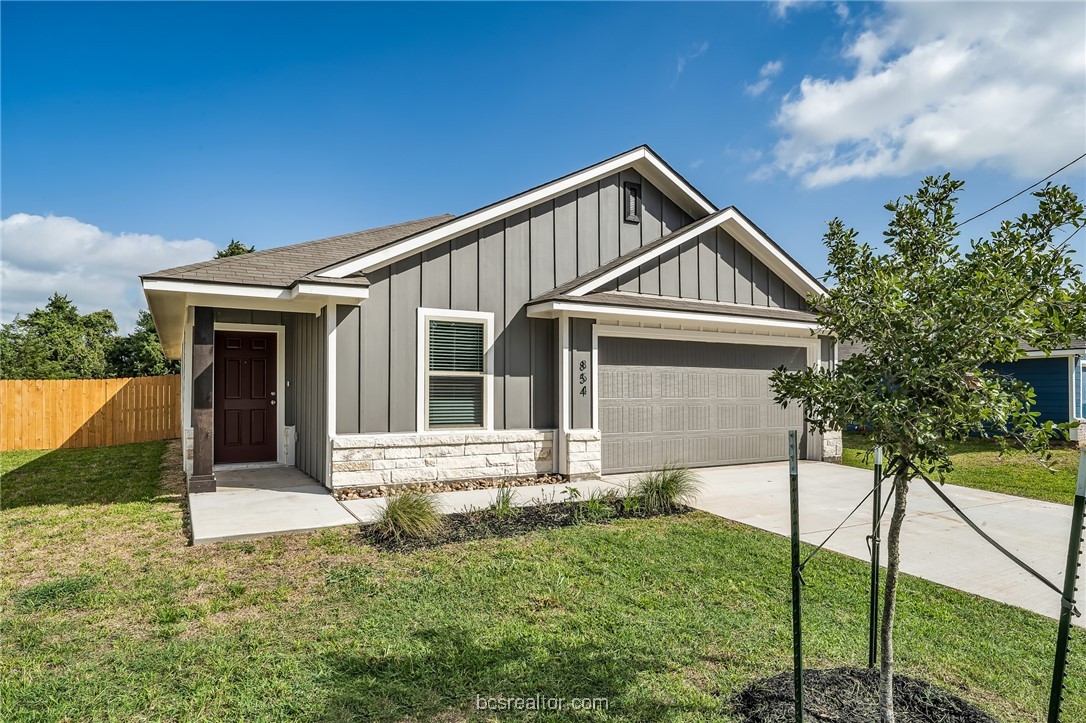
930 317
140 353
58 342
234 248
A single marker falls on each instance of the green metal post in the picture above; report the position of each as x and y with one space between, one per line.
797 580
873 604
1070 586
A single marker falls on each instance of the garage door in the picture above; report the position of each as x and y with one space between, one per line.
692 403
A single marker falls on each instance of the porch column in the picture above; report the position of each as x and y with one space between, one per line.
202 478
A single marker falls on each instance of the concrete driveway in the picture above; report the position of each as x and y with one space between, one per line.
936 545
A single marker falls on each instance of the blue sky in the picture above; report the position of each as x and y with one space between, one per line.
141 136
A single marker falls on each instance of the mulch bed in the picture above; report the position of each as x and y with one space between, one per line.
487 524
851 695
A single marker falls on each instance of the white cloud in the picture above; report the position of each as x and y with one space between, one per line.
781 7
841 9
683 59
938 86
95 268
766 75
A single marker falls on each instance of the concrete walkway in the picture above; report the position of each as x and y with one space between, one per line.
935 544
450 502
263 501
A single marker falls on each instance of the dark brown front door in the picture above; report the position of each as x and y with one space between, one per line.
245 403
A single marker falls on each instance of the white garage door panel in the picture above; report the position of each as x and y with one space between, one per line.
691 403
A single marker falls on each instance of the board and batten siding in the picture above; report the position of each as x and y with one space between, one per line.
307 391
711 267
498 269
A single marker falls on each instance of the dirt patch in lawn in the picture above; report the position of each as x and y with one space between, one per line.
489 524
851 695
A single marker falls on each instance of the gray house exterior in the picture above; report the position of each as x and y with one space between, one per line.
608 321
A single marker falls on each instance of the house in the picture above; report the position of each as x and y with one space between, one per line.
608 321
1058 379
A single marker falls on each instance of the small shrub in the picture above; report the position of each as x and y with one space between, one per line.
54 595
599 506
666 489
632 504
408 515
504 504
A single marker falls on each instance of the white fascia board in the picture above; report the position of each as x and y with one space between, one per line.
768 252
321 290
339 291
695 229
401 249
203 287
734 223
1055 353
551 309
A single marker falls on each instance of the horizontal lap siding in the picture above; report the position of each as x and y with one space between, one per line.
1048 377
499 269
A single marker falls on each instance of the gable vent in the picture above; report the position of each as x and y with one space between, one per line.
632 201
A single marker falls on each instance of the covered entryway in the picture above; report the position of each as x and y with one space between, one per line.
692 403
245 397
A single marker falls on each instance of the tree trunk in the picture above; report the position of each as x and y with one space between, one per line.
893 561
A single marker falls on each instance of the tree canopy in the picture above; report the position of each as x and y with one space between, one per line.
930 318
57 342
234 248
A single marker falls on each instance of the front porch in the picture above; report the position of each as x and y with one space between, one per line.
262 501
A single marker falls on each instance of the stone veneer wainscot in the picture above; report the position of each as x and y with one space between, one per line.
361 460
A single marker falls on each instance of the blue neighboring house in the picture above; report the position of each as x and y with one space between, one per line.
1058 379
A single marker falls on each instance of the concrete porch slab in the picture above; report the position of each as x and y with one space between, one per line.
258 502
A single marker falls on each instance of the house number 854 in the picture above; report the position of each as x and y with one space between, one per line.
582 378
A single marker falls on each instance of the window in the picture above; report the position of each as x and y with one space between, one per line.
455 371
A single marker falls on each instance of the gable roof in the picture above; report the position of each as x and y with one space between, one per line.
642 158
285 265
731 220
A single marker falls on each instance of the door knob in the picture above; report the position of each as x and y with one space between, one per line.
273 402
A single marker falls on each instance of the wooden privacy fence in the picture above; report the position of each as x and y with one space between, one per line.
48 414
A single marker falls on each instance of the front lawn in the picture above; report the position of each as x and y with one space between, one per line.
979 464
107 614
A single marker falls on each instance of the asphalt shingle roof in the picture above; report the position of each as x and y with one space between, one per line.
286 265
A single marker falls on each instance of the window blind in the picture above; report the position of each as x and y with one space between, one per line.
456 370
456 346
456 401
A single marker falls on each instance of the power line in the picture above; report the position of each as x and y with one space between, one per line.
1008 200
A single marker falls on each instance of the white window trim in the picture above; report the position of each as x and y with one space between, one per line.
280 332
422 389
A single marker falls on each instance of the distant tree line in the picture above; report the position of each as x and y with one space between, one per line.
57 342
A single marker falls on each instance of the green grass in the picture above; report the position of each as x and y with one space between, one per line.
106 614
978 464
